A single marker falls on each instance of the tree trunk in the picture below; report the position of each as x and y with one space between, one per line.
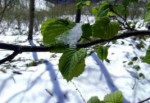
78 15
31 18
0 3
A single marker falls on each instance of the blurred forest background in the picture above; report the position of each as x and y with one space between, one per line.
17 12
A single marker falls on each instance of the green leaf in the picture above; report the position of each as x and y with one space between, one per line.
104 8
34 63
87 30
105 29
103 20
94 11
72 63
147 56
141 75
58 48
148 6
134 58
87 3
115 97
147 16
130 63
111 14
120 9
52 28
127 2
102 52
94 99
82 4
137 67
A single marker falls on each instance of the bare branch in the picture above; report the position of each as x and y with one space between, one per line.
9 58
122 36
20 48
143 101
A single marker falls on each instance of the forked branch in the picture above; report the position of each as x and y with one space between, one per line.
19 48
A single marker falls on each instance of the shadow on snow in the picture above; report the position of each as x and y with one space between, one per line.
106 75
35 56
56 86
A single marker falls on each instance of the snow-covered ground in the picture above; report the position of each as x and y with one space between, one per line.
23 82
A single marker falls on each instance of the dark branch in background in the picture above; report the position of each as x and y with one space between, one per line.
31 18
5 8
19 48
78 15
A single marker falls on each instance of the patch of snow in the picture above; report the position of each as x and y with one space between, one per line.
72 36
40 5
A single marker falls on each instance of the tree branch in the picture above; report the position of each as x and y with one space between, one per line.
144 100
20 48
9 58
78 15
122 36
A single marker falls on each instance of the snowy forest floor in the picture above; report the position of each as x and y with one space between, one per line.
34 77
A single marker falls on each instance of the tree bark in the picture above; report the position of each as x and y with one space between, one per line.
31 18
78 15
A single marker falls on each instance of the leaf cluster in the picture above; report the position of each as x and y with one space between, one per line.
72 62
115 97
69 64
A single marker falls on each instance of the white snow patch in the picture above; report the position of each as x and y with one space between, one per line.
72 36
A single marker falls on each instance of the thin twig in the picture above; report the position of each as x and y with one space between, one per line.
123 18
143 101
22 48
79 92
